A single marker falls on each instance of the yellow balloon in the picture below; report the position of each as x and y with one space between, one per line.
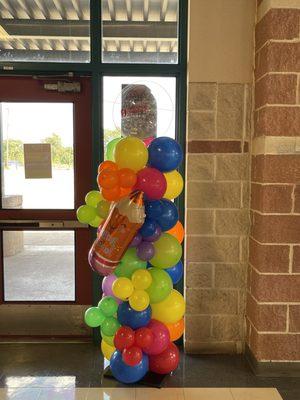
141 279
139 300
174 184
168 251
132 153
169 310
108 339
122 288
107 350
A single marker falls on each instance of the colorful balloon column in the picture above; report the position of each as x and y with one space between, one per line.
141 314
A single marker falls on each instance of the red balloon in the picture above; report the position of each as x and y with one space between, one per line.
143 337
161 337
152 182
132 356
165 362
124 338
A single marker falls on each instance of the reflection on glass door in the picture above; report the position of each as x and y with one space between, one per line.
39 265
37 155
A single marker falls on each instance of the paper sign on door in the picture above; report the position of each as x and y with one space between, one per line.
37 161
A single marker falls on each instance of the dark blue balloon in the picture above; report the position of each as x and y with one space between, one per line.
126 374
134 319
165 154
175 272
148 228
169 215
153 209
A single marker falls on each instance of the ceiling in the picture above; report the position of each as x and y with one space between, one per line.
50 29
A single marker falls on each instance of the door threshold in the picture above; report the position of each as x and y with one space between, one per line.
44 339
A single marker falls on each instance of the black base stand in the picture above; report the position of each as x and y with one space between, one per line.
150 379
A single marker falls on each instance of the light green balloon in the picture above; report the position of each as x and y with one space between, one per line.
168 251
129 263
108 339
110 149
94 317
110 326
103 208
161 285
86 214
93 197
96 221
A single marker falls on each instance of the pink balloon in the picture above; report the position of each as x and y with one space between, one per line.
152 182
161 338
148 140
107 284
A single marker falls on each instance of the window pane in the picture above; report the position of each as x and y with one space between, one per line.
45 31
35 181
39 265
139 106
140 31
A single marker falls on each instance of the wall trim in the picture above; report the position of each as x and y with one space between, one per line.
272 369
267 5
275 145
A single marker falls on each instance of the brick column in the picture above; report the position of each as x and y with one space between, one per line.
273 299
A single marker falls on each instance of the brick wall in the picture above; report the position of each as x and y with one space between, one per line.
217 215
273 298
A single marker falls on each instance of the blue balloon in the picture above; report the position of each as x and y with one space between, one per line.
148 228
169 215
153 209
165 154
125 373
134 319
175 272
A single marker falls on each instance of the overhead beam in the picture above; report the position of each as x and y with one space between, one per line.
76 28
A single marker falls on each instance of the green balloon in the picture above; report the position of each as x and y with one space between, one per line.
108 306
161 285
110 149
94 317
108 339
129 263
86 214
103 208
93 197
96 221
110 326
168 251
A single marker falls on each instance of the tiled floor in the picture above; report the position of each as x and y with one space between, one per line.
140 394
54 371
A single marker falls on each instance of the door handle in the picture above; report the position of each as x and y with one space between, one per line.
11 223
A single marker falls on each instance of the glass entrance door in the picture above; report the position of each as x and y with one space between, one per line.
45 141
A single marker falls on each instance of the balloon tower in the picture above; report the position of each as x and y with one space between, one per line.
138 251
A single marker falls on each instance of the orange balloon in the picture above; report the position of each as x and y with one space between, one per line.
177 231
127 177
111 194
124 192
176 330
108 179
109 165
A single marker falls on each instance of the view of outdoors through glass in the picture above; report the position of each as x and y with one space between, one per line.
37 155
45 31
140 31
47 260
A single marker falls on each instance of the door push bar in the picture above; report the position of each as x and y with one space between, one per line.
9 224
